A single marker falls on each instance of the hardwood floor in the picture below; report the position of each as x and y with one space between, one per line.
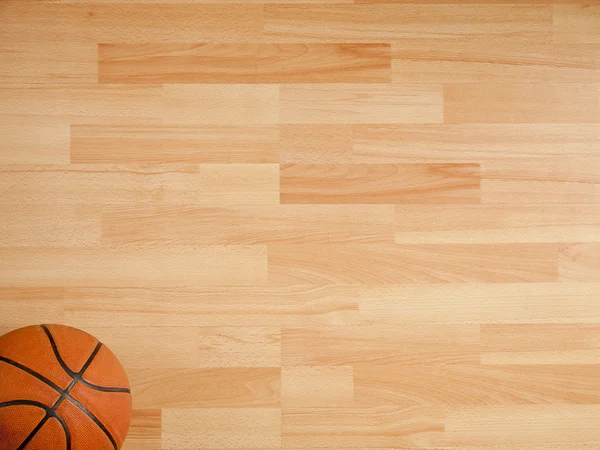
314 223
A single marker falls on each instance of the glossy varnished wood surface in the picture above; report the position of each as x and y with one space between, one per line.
314 223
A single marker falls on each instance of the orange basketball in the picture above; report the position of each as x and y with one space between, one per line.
61 388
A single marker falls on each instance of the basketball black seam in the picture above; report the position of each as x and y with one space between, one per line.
77 377
48 411
64 393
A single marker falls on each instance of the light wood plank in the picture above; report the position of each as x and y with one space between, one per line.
211 306
379 183
221 104
145 430
313 387
193 347
576 22
567 344
20 307
459 385
210 184
41 62
49 225
34 140
362 427
222 428
85 103
496 223
92 23
159 144
261 224
435 143
346 23
458 60
367 103
521 103
131 266
205 388
568 180
380 345
518 303
520 425
412 264
244 63
579 262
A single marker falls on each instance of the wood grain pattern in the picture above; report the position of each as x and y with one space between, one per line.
221 104
497 223
457 60
379 183
389 426
309 224
461 385
139 184
223 428
366 103
320 386
516 103
539 344
126 266
244 63
233 387
145 430
343 23
410 264
114 144
261 224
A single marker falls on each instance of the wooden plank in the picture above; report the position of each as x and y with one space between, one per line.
42 62
366 103
579 262
49 225
222 428
460 385
380 345
260 224
435 143
221 104
379 183
412 264
313 387
211 306
244 63
144 431
92 23
555 180
347 23
131 266
497 223
316 144
20 307
173 184
161 144
521 103
34 140
518 303
458 60
193 347
388 426
567 344
576 22
232 387
520 425
86 103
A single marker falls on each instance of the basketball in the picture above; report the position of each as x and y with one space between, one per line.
60 388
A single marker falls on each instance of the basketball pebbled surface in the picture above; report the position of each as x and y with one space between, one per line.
60 388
